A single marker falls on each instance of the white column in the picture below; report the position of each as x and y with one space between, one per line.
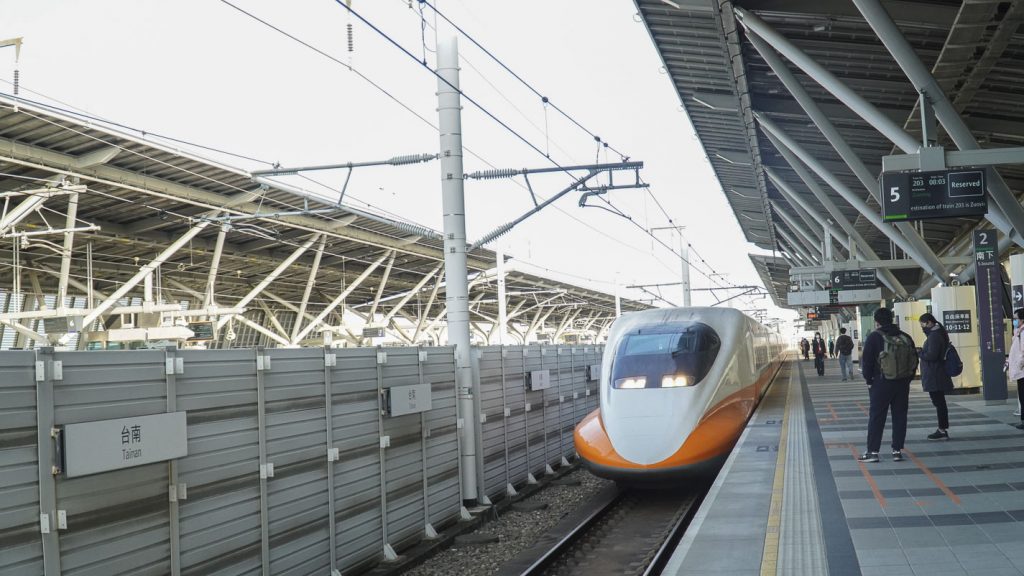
502 303
456 275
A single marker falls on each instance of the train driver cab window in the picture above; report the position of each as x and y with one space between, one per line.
673 356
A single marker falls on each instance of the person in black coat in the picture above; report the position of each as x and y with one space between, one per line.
884 394
934 379
819 351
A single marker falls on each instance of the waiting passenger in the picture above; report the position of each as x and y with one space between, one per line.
818 346
888 365
831 347
1015 363
844 347
934 379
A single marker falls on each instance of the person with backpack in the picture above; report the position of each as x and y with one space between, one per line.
888 365
1015 363
844 347
819 350
935 379
831 347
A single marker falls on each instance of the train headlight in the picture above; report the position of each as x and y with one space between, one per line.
634 382
675 381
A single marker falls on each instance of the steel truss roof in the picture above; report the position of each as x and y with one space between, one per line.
144 195
974 49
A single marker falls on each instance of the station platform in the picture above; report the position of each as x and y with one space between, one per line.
792 499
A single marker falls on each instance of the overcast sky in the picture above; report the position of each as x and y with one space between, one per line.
205 72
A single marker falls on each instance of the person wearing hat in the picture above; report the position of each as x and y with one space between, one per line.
934 379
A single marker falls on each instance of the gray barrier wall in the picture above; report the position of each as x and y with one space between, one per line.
294 465
523 433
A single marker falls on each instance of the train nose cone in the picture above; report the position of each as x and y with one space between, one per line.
647 430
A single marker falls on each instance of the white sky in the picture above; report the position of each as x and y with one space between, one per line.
201 71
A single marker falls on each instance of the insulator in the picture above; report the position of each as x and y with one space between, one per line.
493 235
17 75
351 44
495 174
411 159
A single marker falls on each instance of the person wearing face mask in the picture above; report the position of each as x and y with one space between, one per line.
819 349
934 379
1015 363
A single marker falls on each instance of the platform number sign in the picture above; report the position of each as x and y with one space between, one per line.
925 195
989 291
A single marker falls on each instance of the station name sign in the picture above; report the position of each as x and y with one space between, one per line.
926 195
104 445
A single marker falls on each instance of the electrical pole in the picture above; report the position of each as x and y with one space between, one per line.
456 275
684 257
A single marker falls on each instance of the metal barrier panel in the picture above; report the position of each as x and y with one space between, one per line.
403 455
117 521
536 432
593 358
288 450
579 390
493 448
552 407
442 439
355 410
566 402
220 518
515 423
20 545
296 439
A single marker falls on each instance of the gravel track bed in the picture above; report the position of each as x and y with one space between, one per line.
516 531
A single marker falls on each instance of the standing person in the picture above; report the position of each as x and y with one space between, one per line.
1015 363
934 378
805 347
888 365
844 347
819 349
831 347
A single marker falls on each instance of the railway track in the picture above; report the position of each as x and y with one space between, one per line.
623 532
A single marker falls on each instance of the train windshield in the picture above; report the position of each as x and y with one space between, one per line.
665 356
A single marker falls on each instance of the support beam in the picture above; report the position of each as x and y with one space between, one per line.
405 300
271 277
20 212
310 282
69 242
859 105
809 242
275 337
779 136
922 79
344 294
380 288
844 150
804 253
426 311
211 279
837 215
134 280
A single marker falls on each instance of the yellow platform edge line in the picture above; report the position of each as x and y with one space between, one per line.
770 555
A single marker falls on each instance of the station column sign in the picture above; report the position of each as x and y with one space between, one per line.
990 314
924 195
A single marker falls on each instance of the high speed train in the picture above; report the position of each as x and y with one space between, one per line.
677 388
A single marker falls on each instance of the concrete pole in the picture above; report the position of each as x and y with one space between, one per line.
684 256
502 304
456 274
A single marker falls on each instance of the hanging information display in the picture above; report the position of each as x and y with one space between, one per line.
924 195
855 279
